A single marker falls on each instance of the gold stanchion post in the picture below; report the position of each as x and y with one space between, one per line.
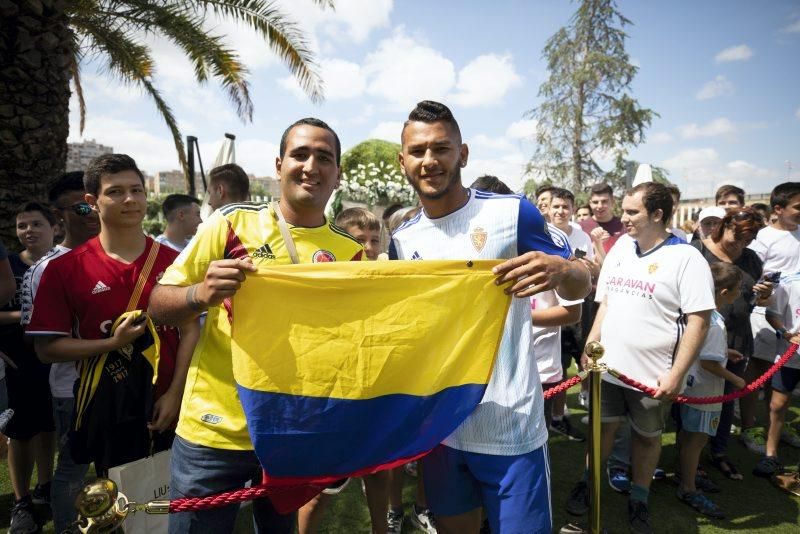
595 351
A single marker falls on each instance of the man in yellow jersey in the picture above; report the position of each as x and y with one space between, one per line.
212 450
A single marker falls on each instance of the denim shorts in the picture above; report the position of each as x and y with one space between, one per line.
699 421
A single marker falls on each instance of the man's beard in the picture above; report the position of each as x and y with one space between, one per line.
455 180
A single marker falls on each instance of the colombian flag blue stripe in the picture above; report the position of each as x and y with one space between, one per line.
297 436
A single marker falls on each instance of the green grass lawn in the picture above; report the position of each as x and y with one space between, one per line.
752 505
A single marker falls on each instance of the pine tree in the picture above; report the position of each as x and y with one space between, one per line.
587 109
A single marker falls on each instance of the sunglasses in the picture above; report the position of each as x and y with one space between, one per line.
80 208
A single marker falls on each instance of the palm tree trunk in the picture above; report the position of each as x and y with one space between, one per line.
35 59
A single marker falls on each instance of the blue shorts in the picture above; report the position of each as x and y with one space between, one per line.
515 490
699 421
786 379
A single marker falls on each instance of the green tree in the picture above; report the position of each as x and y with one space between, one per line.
42 44
586 107
370 151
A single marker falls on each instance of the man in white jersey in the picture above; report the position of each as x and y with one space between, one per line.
656 294
182 213
497 458
80 223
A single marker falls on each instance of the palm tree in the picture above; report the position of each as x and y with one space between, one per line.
42 44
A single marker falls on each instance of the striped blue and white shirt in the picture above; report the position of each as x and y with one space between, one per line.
510 418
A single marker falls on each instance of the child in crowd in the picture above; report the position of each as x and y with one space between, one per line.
364 226
783 314
707 378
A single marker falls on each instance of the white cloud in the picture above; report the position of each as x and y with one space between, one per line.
734 53
700 172
404 71
341 80
351 21
485 80
510 168
482 141
719 86
714 128
388 131
660 138
256 156
794 27
522 129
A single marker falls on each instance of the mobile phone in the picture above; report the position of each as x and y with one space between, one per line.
580 253
774 278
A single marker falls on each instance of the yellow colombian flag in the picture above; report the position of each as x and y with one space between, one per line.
345 368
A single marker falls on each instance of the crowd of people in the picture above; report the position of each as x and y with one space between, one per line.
699 310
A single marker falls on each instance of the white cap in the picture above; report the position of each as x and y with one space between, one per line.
711 211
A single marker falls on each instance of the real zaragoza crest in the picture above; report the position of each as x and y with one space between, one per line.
478 238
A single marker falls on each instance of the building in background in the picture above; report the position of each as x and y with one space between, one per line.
80 154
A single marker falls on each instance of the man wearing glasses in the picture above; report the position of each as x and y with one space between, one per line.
80 223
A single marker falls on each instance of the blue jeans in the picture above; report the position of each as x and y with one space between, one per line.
621 453
69 476
198 471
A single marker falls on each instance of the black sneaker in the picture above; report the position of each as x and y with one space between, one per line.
564 428
639 517
41 494
578 502
22 520
767 466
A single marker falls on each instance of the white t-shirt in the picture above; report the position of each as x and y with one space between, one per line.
579 240
547 339
510 418
648 297
162 239
701 383
785 303
778 249
62 375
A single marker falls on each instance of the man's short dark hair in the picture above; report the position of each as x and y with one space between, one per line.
491 184
655 196
173 203
725 190
429 111
66 183
559 192
237 184
585 207
311 121
782 194
549 188
108 164
44 209
674 190
601 189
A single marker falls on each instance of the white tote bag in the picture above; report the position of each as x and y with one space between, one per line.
143 481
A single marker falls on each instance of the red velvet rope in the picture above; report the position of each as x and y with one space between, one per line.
563 386
749 388
191 504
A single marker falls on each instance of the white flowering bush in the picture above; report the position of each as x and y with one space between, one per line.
377 184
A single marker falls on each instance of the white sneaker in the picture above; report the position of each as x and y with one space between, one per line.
422 518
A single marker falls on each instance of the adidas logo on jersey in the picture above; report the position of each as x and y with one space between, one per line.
100 287
264 252
416 256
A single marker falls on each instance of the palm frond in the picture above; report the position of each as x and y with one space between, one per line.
131 62
206 52
75 73
285 38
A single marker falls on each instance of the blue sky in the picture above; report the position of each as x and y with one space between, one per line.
723 75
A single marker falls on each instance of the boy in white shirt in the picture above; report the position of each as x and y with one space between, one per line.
783 314
706 378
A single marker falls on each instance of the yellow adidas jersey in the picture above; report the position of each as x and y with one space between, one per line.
211 414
